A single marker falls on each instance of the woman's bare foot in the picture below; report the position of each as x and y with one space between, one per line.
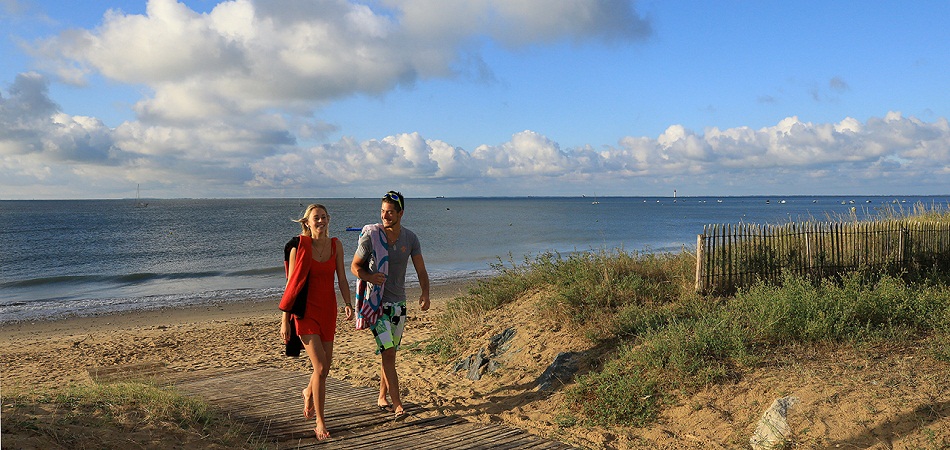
401 414
309 411
321 432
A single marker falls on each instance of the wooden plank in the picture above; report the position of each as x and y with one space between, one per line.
126 372
268 401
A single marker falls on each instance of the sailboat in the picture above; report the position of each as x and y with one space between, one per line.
138 201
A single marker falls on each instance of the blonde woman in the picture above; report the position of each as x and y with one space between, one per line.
312 265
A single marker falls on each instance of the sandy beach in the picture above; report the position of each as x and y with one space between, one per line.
898 398
231 334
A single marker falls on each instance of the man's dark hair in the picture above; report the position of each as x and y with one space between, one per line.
395 198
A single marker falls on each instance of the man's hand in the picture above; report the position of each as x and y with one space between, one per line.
424 302
377 278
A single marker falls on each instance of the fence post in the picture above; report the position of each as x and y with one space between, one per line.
900 252
699 263
810 260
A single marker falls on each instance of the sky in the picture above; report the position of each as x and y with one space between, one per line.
346 98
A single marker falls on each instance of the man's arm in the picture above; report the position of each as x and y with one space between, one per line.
360 269
420 265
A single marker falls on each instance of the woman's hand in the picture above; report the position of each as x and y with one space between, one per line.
349 312
284 331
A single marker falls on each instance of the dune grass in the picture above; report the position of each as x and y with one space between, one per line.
136 414
659 336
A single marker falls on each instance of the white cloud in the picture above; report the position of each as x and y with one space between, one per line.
245 56
846 152
523 22
47 149
231 92
527 154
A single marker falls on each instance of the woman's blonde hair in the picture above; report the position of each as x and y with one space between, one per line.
304 229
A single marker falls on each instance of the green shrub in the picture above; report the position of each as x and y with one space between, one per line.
660 336
620 393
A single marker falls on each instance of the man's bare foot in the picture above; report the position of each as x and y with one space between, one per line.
309 411
321 432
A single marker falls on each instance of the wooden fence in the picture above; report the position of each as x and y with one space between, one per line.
732 256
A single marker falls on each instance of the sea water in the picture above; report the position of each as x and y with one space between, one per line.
90 257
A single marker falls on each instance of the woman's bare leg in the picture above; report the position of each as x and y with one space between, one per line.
320 353
308 408
321 400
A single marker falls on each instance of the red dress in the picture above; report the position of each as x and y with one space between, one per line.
320 315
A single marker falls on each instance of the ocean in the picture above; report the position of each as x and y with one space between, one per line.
91 257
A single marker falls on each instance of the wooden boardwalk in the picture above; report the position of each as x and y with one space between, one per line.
269 401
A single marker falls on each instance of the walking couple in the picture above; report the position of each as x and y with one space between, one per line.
382 256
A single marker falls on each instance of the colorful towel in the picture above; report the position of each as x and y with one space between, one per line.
369 297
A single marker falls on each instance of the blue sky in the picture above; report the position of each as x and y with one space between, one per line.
335 98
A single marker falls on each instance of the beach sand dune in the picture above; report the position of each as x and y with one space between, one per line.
848 398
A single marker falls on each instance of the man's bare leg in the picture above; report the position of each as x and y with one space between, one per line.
391 385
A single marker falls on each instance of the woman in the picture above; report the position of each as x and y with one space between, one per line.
321 257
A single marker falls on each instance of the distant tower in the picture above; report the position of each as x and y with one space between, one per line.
674 195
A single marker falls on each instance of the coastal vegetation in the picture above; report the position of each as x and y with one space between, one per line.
92 415
653 337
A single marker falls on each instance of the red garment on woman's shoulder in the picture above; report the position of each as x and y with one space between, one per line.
297 280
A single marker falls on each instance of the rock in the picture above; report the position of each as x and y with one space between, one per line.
559 372
484 361
475 370
464 364
498 343
773 430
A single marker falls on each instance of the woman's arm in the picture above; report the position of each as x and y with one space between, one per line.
341 280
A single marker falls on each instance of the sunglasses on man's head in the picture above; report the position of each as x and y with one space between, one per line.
394 197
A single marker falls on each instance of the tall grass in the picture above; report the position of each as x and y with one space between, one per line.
640 310
91 416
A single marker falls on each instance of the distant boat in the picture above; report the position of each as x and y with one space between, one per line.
138 201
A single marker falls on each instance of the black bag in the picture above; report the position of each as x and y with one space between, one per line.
294 345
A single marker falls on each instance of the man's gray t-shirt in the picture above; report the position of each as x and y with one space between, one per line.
406 246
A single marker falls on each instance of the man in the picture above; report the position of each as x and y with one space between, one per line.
401 245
